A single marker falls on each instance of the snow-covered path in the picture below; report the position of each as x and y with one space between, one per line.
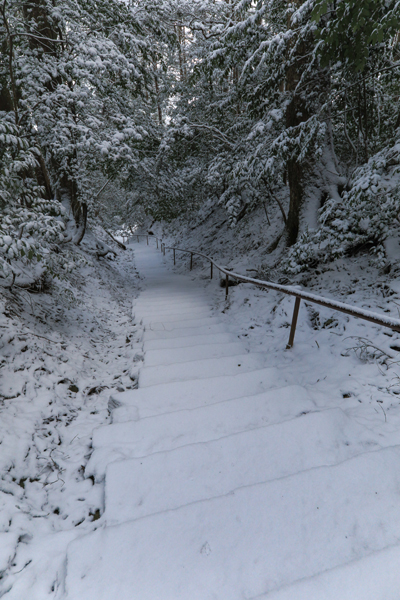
222 482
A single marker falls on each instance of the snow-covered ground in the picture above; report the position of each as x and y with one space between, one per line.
237 469
61 355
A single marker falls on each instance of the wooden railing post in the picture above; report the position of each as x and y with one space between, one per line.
174 257
157 241
191 260
211 270
226 285
147 240
294 323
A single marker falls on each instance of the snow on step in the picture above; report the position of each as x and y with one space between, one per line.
173 430
184 332
158 325
375 577
180 355
249 542
167 480
175 286
170 317
148 301
185 342
179 395
167 316
168 287
171 286
172 307
197 314
200 369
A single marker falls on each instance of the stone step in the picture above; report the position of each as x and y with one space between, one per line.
168 431
160 334
201 369
179 395
249 542
187 342
170 321
175 326
183 355
167 480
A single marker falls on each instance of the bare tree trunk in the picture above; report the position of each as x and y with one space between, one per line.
79 209
42 175
279 203
81 224
114 239
158 99
295 177
181 52
266 213
330 129
43 31
10 62
365 121
6 102
345 127
296 113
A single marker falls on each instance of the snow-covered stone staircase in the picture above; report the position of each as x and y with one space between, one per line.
224 483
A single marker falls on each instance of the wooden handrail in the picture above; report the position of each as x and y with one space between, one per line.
147 235
348 309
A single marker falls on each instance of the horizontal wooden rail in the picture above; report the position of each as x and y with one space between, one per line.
147 236
347 309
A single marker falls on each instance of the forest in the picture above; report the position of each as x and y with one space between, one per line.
159 437
113 113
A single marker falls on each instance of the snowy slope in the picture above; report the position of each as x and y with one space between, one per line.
283 486
62 352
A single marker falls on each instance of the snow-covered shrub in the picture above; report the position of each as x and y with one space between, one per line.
29 223
365 215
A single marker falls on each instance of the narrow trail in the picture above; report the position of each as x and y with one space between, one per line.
221 483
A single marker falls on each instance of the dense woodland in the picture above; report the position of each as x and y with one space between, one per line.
265 133
112 111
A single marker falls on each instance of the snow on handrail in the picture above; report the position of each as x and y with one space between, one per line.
348 309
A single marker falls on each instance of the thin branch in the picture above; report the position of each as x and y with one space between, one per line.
345 130
216 132
113 238
279 203
101 189
36 36
266 214
351 85
39 336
